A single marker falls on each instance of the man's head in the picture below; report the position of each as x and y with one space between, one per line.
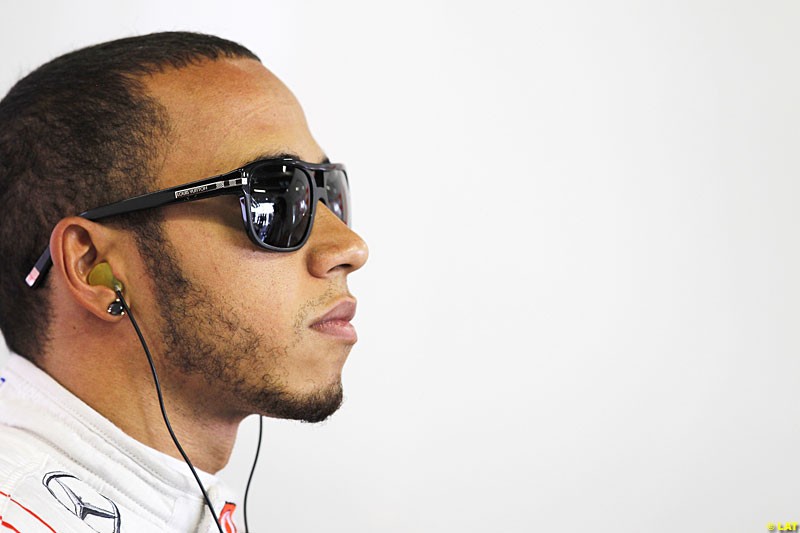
136 115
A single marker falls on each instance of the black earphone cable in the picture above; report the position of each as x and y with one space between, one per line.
166 418
252 471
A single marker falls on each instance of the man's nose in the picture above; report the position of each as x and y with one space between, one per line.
334 247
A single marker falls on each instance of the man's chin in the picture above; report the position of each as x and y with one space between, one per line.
311 408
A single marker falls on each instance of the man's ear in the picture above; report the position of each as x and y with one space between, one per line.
77 246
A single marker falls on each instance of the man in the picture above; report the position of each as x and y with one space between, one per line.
238 284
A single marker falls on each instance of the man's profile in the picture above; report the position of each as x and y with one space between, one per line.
177 164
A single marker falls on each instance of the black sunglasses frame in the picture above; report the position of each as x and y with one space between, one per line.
230 183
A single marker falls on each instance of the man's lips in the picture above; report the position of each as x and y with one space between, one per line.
336 322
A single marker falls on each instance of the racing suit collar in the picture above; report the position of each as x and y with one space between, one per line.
33 401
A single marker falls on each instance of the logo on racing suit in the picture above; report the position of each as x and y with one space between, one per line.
226 517
96 511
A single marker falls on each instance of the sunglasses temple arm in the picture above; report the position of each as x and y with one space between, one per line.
37 274
208 188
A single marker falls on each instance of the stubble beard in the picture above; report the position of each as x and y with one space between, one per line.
203 337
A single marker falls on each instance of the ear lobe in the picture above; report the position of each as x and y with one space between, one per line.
77 246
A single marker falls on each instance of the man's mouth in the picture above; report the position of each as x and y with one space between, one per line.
336 322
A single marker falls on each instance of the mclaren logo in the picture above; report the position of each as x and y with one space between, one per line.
96 511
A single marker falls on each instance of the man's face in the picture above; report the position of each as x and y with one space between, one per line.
240 325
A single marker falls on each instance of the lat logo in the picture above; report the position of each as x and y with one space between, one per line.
786 526
94 509
226 518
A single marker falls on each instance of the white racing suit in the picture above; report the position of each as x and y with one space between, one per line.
64 468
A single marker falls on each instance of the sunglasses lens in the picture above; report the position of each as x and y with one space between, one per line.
280 205
338 194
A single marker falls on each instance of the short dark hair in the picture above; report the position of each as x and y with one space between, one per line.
80 132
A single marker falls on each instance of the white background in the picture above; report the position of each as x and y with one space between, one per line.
581 307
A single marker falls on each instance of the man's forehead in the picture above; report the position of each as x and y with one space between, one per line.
224 114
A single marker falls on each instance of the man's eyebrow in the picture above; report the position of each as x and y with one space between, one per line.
280 155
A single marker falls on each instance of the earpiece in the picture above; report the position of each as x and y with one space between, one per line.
101 274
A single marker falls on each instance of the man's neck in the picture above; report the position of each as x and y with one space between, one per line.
124 392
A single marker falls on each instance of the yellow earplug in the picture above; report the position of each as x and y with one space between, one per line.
101 274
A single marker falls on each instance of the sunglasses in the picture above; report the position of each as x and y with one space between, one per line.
278 199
